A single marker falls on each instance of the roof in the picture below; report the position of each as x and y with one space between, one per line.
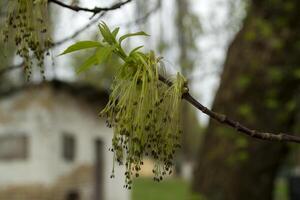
84 92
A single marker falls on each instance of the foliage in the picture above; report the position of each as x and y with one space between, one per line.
27 23
188 29
144 112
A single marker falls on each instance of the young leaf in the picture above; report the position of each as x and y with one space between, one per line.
87 64
116 31
105 32
141 33
103 53
135 49
81 45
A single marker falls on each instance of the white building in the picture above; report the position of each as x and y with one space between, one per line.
54 146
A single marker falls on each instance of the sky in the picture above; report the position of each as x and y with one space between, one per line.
220 20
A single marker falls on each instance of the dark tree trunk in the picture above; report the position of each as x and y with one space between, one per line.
259 88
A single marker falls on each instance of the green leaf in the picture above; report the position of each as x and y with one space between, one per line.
81 45
116 31
87 64
103 53
135 49
105 32
141 33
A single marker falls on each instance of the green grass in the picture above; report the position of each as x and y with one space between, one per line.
281 189
169 189
177 189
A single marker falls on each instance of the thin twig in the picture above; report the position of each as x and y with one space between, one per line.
79 31
144 18
92 10
281 137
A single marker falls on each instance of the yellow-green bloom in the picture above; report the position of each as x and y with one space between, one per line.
145 115
143 111
27 24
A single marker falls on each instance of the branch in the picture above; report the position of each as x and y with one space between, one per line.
75 34
79 31
281 137
93 10
144 18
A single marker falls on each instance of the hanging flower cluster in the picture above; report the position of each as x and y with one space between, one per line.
27 24
143 111
145 116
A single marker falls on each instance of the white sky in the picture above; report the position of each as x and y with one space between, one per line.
214 16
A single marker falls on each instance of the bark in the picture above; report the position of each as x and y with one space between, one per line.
258 87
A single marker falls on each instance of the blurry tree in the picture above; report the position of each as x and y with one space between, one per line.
6 51
260 86
188 28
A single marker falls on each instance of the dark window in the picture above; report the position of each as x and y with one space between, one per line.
73 195
13 147
69 145
99 162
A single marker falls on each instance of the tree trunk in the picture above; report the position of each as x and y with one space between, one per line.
187 29
259 87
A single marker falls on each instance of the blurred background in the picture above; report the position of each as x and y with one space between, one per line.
241 58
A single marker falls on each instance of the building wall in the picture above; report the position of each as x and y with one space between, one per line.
44 115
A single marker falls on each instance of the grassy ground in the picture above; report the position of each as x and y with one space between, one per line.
281 190
169 189
177 189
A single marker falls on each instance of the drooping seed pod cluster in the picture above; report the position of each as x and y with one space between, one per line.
145 116
27 24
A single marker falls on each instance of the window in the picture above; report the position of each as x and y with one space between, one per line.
13 147
73 195
69 145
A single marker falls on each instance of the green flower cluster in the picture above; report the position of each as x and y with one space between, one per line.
143 111
27 24
144 114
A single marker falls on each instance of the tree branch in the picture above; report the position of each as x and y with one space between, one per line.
79 31
144 18
93 10
75 34
281 137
